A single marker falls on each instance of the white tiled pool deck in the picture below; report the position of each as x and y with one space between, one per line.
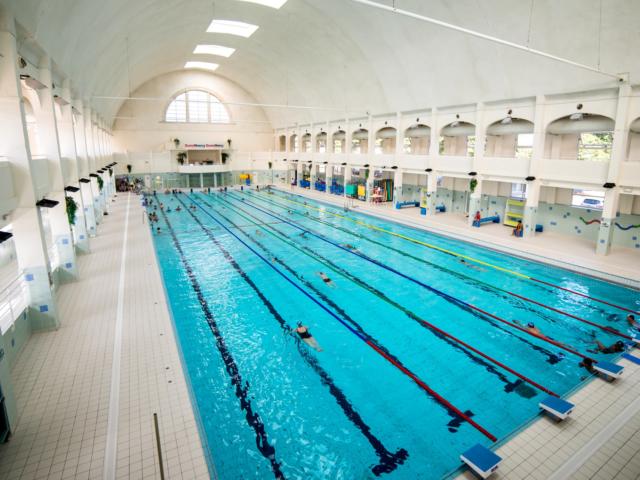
63 378
63 384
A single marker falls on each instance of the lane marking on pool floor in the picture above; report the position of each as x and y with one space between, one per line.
114 395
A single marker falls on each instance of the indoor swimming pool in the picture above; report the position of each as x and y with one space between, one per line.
425 343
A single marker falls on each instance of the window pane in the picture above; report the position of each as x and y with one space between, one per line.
198 106
218 112
177 111
593 199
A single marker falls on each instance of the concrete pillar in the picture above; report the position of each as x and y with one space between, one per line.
69 152
347 177
93 190
84 169
397 187
58 174
428 195
31 250
369 184
328 177
618 154
533 186
313 175
475 201
434 140
300 171
481 138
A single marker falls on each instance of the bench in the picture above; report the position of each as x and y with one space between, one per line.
440 208
493 219
400 205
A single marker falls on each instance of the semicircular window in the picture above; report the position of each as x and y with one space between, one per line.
196 106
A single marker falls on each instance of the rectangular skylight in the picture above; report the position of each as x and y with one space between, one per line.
268 3
232 27
201 65
215 50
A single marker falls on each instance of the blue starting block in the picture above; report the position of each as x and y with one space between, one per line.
481 460
557 407
608 369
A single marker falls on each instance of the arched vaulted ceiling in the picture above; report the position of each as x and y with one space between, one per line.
337 53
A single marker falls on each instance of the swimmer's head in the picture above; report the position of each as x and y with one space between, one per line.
620 344
531 325
299 324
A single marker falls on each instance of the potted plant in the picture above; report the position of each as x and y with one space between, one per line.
270 165
71 206
472 184
181 157
229 142
176 142
224 157
129 167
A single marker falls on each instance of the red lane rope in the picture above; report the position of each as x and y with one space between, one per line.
500 364
441 399
585 296
580 319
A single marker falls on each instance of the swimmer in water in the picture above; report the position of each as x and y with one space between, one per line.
631 320
326 279
303 333
470 265
348 246
615 348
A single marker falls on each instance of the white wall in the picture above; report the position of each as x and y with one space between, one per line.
141 126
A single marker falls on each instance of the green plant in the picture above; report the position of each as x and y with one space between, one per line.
181 157
473 184
111 172
72 207
270 165
225 156
100 183
129 167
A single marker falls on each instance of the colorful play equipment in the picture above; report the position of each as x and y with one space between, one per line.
351 190
246 178
514 212
482 221
320 186
305 183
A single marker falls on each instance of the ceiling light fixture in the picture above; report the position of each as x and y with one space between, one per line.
232 28
506 120
214 50
268 3
202 65
576 116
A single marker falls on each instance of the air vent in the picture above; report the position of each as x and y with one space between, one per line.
473 174
84 180
428 169
609 185
4 236
530 179
71 189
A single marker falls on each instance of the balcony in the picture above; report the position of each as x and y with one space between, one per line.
577 171
452 164
504 167
204 168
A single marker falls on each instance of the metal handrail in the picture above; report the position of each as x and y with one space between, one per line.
14 298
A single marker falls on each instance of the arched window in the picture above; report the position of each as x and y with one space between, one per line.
196 106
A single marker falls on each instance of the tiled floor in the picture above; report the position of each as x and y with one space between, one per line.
622 264
63 378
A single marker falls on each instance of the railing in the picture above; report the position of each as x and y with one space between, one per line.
14 298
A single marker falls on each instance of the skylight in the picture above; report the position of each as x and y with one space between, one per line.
268 3
215 50
232 27
201 65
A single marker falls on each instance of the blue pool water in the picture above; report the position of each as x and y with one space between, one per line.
389 394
